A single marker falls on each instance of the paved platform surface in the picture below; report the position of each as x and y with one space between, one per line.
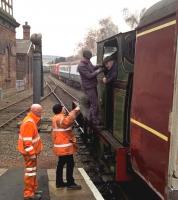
11 185
88 191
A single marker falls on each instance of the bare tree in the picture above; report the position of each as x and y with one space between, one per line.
79 48
90 40
106 29
133 19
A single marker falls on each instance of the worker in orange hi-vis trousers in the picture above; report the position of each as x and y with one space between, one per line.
64 145
30 145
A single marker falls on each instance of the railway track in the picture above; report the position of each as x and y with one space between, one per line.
9 128
105 183
14 113
16 109
111 190
10 157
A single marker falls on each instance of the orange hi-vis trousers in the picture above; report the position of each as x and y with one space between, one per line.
30 179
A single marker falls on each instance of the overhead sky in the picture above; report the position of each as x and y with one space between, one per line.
64 23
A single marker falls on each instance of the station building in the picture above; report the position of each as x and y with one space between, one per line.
7 48
24 59
15 54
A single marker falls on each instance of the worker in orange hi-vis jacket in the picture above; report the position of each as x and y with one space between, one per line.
30 145
64 145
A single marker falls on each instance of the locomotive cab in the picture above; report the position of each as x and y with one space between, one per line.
115 102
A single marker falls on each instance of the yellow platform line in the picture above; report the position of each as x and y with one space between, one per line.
157 28
150 130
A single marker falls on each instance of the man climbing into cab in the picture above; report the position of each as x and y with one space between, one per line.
88 74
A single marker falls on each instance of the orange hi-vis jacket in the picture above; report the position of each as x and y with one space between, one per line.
64 141
29 142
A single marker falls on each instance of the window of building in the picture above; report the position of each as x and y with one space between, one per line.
6 5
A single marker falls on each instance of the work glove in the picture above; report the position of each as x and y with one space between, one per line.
64 110
99 65
99 70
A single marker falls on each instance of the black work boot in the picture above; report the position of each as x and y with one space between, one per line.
39 192
74 186
35 197
61 185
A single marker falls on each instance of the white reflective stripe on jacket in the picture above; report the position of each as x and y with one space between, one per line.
29 149
30 174
30 169
30 139
62 145
27 138
62 129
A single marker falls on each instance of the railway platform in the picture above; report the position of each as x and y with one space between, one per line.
88 191
11 185
11 162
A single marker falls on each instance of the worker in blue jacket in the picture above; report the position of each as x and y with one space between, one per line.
110 76
110 71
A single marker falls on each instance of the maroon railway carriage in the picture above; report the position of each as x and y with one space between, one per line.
154 109
143 132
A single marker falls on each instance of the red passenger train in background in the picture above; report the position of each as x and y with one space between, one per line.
54 69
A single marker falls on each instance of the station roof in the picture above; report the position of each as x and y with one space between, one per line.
158 11
8 18
23 46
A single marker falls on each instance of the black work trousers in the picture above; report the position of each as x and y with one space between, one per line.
69 161
92 95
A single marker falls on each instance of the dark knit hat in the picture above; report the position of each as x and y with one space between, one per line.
87 54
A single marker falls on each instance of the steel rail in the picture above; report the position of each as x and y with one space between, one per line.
64 89
22 112
77 124
12 104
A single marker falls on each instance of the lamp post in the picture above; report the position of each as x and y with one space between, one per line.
37 65
42 77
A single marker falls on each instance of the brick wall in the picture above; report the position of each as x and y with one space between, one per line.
7 58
